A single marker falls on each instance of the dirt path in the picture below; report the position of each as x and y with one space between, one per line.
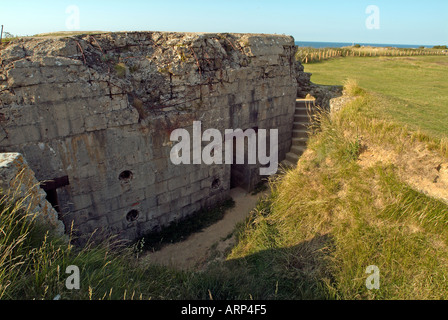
193 251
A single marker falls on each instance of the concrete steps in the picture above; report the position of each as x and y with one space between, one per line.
301 133
298 150
301 111
299 141
292 157
302 118
286 164
300 126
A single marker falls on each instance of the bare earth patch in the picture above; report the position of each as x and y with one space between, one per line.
424 170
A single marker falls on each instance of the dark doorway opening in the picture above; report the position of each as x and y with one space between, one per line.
241 174
52 197
51 186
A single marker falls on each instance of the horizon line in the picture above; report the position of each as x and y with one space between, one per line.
373 43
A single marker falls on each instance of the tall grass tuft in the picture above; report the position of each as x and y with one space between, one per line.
14 229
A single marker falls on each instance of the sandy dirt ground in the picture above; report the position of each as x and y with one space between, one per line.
192 253
424 170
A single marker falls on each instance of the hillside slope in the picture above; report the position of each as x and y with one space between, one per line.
367 192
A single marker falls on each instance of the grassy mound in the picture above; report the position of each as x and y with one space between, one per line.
336 214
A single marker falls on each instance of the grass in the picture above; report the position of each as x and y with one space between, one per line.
330 218
260 187
313 55
55 34
6 40
412 89
120 70
68 33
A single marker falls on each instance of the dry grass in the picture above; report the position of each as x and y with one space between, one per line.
351 88
338 213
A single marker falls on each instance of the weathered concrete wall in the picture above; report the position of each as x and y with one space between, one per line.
99 111
18 183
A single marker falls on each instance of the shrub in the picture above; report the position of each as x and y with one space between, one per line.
120 69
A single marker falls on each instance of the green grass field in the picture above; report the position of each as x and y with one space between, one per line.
417 87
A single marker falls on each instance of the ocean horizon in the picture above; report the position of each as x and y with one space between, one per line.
318 45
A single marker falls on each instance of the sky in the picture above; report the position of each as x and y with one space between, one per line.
390 22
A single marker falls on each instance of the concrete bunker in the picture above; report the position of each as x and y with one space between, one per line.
97 111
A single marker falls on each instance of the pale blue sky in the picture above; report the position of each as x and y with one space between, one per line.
401 22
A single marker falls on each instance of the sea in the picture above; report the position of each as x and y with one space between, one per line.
318 45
